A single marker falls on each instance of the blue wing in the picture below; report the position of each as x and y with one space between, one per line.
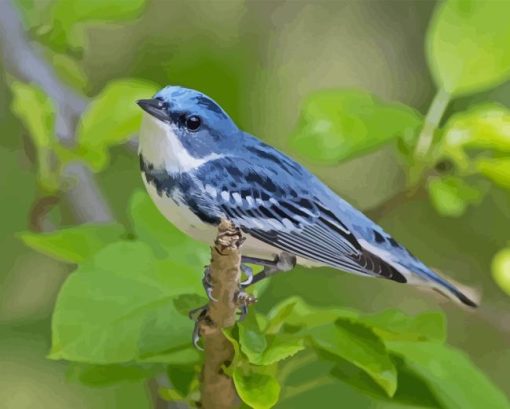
288 215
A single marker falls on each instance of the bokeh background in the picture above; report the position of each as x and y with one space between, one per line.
259 60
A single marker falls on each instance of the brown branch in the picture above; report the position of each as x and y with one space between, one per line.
218 391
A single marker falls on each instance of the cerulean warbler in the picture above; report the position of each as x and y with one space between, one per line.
199 167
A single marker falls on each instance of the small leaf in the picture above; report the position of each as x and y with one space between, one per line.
501 269
496 169
395 325
467 45
484 126
118 306
74 244
450 375
68 70
359 345
451 196
107 375
35 109
412 390
262 349
257 385
111 118
181 377
338 124
65 32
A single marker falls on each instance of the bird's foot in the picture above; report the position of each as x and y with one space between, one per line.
281 263
243 300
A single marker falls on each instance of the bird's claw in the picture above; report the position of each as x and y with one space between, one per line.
248 271
197 315
207 283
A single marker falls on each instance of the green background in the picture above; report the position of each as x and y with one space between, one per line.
259 60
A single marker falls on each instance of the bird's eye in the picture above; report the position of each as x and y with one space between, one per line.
193 123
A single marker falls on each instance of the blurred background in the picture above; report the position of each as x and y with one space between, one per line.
259 60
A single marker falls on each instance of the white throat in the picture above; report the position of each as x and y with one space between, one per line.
160 146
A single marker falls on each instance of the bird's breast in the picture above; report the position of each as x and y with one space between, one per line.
180 215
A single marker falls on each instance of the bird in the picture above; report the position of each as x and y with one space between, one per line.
199 167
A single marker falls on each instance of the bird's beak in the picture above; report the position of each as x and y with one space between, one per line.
155 107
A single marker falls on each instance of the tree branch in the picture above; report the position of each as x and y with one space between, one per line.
218 391
23 61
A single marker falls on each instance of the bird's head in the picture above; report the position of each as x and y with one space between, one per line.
183 127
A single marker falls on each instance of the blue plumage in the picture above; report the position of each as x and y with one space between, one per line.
218 171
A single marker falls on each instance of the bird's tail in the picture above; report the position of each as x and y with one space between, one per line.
449 288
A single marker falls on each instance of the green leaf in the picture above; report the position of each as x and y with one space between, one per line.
257 385
484 126
35 109
74 244
496 169
450 375
395 325
118 307
111 118
359 345
65 32
501 269
412 390
68 70
295 312
107 375
181 377
152 227
338 124
451 196
468 45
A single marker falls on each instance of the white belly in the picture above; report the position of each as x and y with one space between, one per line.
186 221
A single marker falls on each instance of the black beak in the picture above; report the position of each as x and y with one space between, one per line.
155 107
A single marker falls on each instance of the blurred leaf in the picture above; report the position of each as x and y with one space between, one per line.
74 244
181 377
411 390
496 169
451 376
183 356
61 31
107 375
35 109
68 70
184 303
468 47
111 118
151 227
257 385
359 345
118 306
395 325
451 196
338 124
484 126
501 269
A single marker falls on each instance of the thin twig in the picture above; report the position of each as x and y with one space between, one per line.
431 122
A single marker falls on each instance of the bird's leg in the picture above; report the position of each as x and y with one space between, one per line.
282 263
